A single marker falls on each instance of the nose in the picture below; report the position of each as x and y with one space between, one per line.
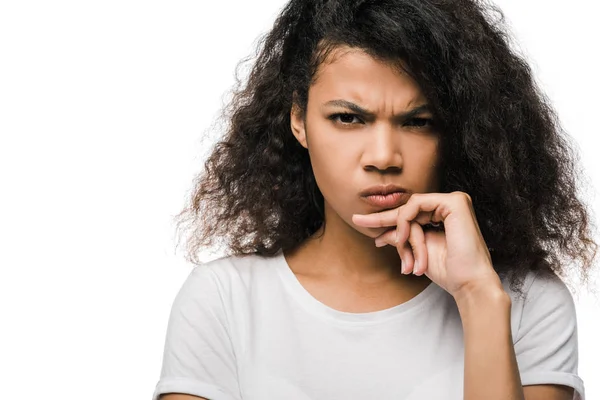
382 149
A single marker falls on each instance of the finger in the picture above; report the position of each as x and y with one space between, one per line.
388 237
376 220
418 202
403 225
419 249
439 205
424 208
424 203
407 257
405 250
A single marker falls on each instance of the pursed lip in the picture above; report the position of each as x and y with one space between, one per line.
381 190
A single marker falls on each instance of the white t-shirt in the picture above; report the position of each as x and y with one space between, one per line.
243 327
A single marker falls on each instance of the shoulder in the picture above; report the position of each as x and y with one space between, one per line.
546 301
234 272
223 287
541 289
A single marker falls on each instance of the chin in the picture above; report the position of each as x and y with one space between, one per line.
370 232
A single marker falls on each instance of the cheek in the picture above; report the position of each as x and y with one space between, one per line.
331 174
332 157
430 171
422 156
334 170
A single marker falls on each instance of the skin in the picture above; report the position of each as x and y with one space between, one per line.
347 271
349 154
344 268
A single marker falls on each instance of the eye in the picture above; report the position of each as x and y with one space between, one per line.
344 118
421 122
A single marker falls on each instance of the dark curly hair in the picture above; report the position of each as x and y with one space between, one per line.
502 141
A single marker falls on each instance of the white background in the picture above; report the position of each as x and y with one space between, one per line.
102 105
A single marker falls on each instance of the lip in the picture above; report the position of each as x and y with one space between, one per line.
381 190
390 200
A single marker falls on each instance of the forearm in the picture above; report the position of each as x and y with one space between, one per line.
491 370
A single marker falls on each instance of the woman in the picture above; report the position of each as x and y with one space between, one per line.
398 204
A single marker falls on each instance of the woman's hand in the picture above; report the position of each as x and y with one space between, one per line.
455 256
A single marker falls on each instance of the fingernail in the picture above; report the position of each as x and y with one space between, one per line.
415 267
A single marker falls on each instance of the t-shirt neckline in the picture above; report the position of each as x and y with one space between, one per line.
311 304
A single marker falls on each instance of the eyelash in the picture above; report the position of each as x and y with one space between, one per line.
333 117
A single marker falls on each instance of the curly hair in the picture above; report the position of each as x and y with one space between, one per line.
502 142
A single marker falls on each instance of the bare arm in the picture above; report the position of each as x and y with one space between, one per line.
491 369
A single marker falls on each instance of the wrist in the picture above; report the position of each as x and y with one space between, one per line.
482 295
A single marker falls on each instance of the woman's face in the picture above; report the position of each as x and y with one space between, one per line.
353 149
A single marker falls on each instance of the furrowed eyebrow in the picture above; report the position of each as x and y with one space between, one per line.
359 110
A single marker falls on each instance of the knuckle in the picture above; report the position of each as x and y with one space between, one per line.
463 196
413 198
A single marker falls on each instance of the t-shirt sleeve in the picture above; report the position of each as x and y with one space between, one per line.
198 356
546 343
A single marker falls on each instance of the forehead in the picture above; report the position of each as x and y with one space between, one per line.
351 72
